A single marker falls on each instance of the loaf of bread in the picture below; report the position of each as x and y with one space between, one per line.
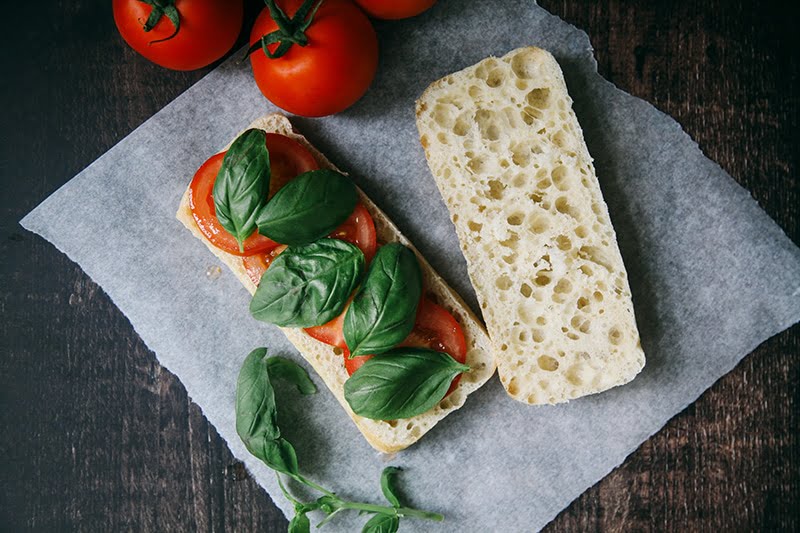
327 361
508 156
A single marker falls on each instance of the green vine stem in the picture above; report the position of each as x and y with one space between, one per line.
162 8
290 30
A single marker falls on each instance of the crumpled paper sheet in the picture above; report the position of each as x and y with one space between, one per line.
712 276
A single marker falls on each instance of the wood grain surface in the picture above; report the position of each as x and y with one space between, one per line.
97 436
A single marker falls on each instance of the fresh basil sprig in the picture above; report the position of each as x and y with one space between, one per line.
308 208
308 285
384 308
401 383
257 426
242 185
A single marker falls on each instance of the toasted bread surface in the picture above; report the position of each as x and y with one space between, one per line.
385 436
509 158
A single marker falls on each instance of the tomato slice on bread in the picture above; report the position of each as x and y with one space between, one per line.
288 158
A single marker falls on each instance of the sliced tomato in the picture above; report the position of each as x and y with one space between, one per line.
359 229
288 158
257 264
331 332
435 328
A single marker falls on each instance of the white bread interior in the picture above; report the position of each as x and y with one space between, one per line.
327 361
508 156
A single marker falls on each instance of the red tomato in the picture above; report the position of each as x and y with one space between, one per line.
434 328
331 332
208 29
358 229
394 9
288 158
327 75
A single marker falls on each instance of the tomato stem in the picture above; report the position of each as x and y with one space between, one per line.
162 8
290 30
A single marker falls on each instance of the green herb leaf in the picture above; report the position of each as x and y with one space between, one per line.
382 523
308 285
308 208
256 414
387 476
290 371
402 383
300 524
242 185
384 308
279 455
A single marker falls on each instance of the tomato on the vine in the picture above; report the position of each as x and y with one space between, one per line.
179 34
324 56
394 9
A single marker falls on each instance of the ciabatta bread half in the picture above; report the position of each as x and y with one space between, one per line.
508 156
327 361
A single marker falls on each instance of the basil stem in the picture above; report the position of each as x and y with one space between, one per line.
308 285
384 308
401 383
308 208
242 184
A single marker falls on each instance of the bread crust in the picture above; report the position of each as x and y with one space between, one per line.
384 436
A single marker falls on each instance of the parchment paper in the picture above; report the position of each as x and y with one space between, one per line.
712 276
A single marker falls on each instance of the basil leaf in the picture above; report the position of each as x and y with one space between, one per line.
256 414
308 285
384 308
300 524
308 208
401 383
382 523
278 367
242 185
279 455
386 485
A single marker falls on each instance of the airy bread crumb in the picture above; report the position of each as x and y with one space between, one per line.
508 156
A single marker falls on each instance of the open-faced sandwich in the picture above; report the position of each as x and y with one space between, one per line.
398 348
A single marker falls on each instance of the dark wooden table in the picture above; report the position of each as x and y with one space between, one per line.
97 436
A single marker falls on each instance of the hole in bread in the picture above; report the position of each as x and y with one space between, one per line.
512 241
539 224
519 180
523 64
392 423
525 290
496 189
521 85
580 323
538 335
474 226
530 115
503 347
523 336
560 178
539 98
510 258
572 336
476 165
461 126
597 295
337 351
442 138
443 116
503 283
521 154
512 386
547 363
495 78
474 91
535 197
563 206
615 336
559 139
581 232
575 375
563 286
582 303
515 219
586 269
416 432
595 255
563 242
542 280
